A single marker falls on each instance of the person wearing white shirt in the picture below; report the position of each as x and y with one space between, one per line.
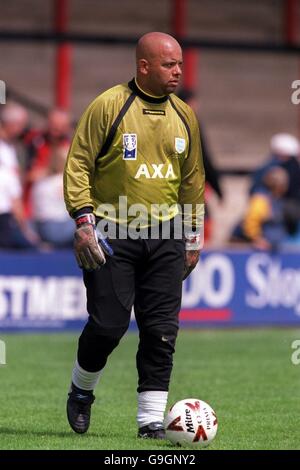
14 232
49 214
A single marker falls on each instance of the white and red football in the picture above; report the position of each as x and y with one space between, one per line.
191 422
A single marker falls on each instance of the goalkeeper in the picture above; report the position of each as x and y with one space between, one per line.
139 143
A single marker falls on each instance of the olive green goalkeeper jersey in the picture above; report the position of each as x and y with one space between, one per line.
138 149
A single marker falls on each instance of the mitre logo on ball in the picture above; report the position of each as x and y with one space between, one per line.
191 422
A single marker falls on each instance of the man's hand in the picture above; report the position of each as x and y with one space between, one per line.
193 245
191 259
89 253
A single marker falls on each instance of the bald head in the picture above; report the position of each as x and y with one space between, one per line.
152 44
159 61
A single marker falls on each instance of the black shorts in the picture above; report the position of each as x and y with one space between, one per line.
144 274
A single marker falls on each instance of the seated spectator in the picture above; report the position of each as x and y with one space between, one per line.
13 119
49 214
285 152
266 224
14 230
40 147
43 144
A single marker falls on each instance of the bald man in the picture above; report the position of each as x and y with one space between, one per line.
135 169
159 64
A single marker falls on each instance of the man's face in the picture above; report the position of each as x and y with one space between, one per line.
58 125
14 128
163 71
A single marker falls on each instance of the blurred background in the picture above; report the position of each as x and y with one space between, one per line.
241 67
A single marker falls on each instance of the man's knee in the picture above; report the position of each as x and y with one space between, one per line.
96 344
96 328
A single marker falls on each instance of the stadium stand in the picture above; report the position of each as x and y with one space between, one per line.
245 96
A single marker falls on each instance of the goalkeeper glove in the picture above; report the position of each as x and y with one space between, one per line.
89 250
193 245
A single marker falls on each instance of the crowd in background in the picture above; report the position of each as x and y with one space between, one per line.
32 209
272 218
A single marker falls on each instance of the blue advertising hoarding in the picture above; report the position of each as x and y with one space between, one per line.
227 288
244 288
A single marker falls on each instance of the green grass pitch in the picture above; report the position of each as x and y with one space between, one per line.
246 375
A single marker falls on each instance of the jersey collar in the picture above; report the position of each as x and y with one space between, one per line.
151 99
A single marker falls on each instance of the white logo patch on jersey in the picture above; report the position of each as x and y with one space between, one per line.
129 146
179 144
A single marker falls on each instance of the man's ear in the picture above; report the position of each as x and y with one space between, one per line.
143 66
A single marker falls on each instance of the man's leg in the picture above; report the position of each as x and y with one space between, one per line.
157 305
110 295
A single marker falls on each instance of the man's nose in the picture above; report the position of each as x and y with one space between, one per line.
177 70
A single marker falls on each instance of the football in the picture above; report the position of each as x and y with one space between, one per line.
191 422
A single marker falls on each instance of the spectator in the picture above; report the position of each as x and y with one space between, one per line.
14 231
212 174
50 217
41 146
265 224
285 152
13 120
